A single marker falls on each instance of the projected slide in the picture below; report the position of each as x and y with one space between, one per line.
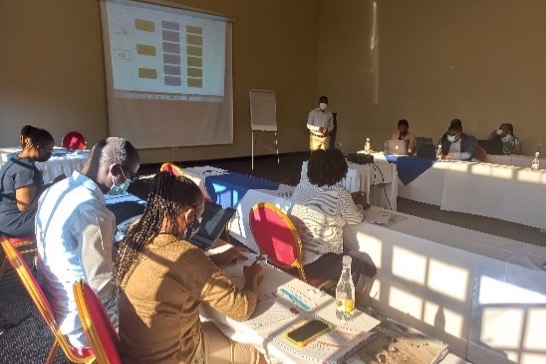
157 54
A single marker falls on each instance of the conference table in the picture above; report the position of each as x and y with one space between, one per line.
504 192
483 295
523 161
61 162
379 180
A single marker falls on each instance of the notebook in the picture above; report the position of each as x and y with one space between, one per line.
396 147
215 219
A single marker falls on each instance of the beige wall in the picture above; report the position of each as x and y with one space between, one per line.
480 61
52 70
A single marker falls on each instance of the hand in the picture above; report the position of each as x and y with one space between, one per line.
359 198
230 256
253 272
446 157
325 131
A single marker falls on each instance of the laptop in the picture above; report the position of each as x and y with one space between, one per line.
425 151
214 220
396 147
493 146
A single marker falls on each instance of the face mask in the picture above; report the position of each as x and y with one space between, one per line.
451 138
323 106
499 131
192 229
119 190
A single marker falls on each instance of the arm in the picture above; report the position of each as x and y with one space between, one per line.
468 148
330 122
27 198
311 123
353 214
222 295
94 233
412 141
517 148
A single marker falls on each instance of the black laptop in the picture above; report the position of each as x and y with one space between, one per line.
214 220
493 146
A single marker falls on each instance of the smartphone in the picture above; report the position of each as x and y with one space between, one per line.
307 331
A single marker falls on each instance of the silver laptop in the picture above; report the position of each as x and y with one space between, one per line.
396 147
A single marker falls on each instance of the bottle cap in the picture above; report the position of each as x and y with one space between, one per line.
347 259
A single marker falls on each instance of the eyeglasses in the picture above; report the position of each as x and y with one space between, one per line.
133 177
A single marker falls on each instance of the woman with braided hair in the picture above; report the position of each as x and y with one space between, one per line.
164 279
21 183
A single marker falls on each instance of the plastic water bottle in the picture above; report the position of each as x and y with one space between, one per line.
535 163
345 292
368 146
439 152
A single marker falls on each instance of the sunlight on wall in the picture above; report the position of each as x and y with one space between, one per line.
405 302
443 318
502 327
535 330
533 358
408 265
448 279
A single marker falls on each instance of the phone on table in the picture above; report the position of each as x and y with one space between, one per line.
307 331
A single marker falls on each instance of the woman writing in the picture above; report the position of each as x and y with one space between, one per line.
21 183
165 279
321 206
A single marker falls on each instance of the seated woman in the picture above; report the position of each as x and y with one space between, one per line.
164 279
321 206
457 145
403 133
21 183
510 143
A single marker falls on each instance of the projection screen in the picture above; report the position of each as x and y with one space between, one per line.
168 75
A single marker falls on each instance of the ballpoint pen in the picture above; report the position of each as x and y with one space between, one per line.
295 299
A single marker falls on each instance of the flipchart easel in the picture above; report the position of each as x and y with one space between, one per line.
263 116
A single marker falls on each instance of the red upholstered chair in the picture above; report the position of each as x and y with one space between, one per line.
74 140
26 244
171 168
96 324
44 308
277 237
480 154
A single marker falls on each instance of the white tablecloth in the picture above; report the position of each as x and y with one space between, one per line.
374 179
500 191
56 165
523 161
483 295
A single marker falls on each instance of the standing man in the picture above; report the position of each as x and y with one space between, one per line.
75 233
320 123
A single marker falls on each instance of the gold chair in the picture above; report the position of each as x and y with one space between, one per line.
28 243
96 324
44 308
172 168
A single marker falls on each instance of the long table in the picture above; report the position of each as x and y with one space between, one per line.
61 162
378 180
484 295
509 193
523 161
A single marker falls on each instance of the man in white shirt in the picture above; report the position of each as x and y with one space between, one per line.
320 123
75 231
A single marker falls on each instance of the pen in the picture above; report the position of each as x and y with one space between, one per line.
257 258
295 299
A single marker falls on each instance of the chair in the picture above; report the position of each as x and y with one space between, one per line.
480 154
74 140
277 237
35 292
96 324
23 242
171 168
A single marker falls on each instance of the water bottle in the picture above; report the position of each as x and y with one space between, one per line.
368 146
345 292
535 163
439 152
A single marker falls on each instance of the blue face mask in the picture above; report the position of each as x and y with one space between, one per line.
119 190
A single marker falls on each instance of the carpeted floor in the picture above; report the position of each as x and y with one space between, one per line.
31 340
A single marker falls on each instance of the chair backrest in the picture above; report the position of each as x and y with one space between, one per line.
480 154
96 324
74 140
171 168
42 304
276 236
